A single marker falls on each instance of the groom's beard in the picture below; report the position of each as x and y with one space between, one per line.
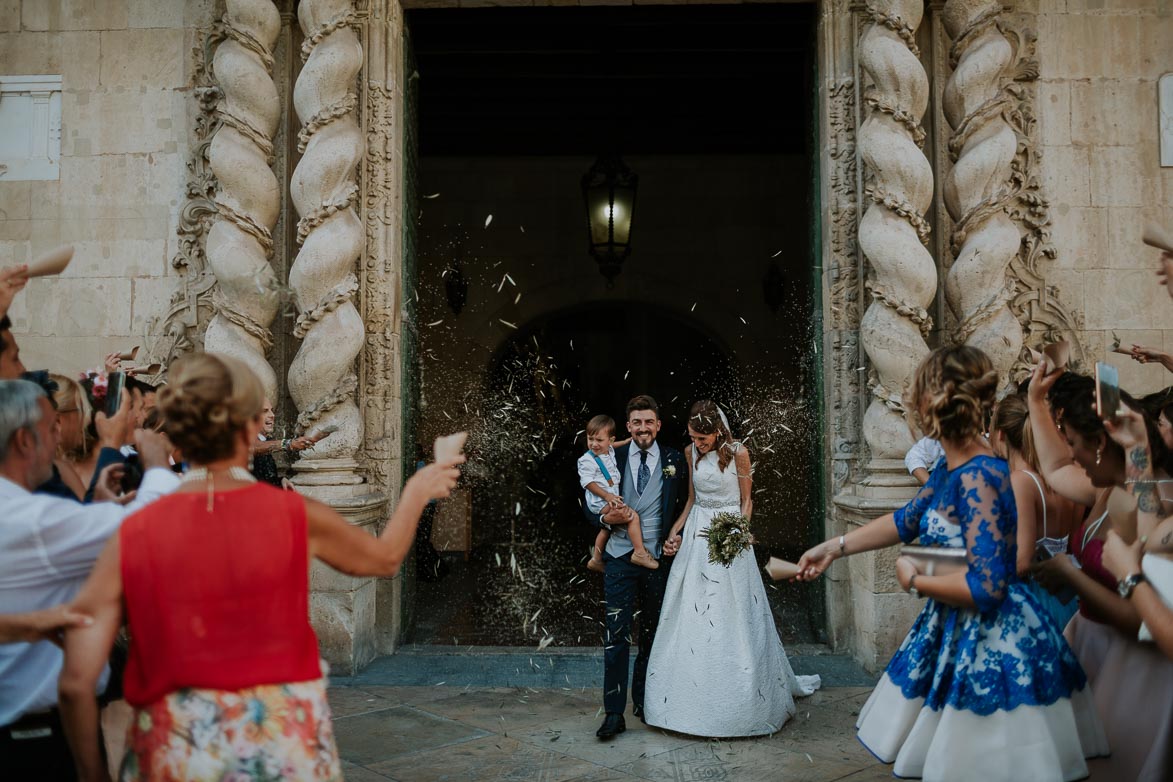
643 440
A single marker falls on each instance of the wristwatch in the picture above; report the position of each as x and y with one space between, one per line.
1125 585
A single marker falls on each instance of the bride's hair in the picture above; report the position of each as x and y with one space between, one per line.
705 418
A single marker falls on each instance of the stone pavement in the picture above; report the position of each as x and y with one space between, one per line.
450 729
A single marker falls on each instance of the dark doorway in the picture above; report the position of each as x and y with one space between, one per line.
521 339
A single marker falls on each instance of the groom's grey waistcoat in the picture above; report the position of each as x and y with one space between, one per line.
647 505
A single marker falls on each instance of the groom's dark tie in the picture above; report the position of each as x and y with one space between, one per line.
645 475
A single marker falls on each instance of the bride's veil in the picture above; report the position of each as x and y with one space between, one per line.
724 419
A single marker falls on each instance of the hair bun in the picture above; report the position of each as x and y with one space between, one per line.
206 403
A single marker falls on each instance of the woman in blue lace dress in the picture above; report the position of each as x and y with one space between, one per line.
984 687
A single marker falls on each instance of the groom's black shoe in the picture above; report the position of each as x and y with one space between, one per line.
638 713
612 726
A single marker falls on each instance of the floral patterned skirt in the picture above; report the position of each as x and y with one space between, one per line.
269 732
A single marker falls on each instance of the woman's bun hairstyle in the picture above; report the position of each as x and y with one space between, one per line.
208 399
953 390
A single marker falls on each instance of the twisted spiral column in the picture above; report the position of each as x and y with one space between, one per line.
982 146
893 230
324 191
240 242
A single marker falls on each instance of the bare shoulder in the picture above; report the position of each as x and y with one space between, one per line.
740 452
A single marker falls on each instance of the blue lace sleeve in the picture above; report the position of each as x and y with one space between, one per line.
908 518
988 522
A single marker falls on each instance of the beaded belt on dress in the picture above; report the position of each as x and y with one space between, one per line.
715 504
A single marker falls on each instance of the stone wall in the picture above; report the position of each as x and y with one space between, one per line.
1099 64
126 67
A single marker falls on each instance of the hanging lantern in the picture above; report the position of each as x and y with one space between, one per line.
608 191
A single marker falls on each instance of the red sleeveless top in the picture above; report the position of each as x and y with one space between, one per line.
217 600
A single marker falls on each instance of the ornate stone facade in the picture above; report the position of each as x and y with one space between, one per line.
1043 143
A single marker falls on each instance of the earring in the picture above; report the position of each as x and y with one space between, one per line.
1099 453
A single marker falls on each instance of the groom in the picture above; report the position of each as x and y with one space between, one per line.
654 483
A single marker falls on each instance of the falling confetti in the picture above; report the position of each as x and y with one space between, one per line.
433 195
488 220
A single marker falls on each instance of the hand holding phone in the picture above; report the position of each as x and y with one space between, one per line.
1107 391
115 384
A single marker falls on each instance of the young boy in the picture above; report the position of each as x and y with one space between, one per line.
598 473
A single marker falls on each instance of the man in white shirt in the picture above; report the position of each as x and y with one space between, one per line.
922 457
48 545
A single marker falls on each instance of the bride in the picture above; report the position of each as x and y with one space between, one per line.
717 667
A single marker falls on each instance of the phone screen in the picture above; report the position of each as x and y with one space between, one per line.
1107 390
115 384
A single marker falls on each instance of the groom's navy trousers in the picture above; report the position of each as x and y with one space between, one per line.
625 586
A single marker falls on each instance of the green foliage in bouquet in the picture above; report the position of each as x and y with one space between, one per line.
728 536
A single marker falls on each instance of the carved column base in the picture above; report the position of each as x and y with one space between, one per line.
330 479
888 479
342 607
869 613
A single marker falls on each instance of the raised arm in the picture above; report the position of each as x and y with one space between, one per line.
351 550
1059 470
744 467
86 651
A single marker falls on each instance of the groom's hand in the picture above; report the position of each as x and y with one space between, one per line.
672 545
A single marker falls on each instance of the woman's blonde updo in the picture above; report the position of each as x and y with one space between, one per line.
70 397
953 390
207 401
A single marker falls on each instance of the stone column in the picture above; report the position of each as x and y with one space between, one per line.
322 377
322 380
982 148
240 242
902 277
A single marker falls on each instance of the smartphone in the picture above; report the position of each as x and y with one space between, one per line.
1107 390
115 385
1042 553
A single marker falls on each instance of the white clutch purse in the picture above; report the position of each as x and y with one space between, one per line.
935 560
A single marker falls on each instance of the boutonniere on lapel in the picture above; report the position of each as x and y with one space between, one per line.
670 471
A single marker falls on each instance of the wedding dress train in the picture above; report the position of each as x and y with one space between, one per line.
717 667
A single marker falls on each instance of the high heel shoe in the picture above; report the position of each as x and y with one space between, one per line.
644 559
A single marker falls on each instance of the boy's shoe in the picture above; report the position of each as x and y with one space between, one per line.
596 565
644 559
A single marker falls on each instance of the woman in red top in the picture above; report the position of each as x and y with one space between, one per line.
213 582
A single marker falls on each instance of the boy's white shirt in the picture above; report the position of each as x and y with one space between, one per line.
589 472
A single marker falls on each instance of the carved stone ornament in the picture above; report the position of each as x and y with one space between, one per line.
843 288
324 190
902 276
181 328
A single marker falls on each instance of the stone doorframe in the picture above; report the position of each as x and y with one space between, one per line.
934 229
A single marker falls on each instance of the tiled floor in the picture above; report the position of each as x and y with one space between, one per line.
438 733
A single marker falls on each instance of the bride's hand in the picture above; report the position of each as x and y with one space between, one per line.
672 543
815 561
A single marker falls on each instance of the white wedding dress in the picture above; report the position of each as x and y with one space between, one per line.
717 667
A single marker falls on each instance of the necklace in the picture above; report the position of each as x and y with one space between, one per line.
202 474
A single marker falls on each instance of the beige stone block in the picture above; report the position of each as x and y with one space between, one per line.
144 58
1052 7
164 13
116 181
1080 235
9 15
1113 112
1066 178
110 258
1070 286
1087 46
1054 112
13 252
15 200
1124 230
1126 300
345 626
167 178
35 53
79 307
56 15
15 230
65 355
1156 52
1112 6
103 122
152 296
1124 176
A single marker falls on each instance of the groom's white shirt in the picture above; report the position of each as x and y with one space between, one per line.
633 453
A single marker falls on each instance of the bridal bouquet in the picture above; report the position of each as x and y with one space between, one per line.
728 535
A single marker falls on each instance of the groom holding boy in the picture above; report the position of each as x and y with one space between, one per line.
654 483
